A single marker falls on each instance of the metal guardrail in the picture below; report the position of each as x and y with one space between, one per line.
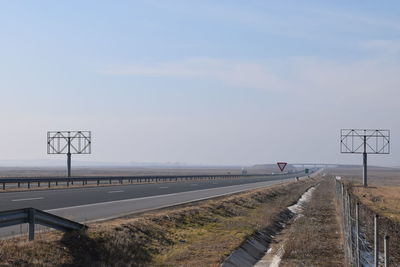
34 216
28 181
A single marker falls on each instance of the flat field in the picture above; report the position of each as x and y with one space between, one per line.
131 171
383 193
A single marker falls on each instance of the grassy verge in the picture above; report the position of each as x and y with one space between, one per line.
314 239
200 235
384 200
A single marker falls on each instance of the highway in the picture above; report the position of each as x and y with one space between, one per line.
101 203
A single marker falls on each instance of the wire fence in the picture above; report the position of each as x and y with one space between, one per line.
366 235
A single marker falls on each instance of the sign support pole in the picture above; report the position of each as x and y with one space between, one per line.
365 174
69 157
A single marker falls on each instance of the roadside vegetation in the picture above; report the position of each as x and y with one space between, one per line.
315 237
381 197
201 234
384 200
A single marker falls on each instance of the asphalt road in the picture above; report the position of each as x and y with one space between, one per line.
102 203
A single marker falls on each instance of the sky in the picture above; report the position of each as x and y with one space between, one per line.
199 82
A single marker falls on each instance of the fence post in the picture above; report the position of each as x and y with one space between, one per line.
349 228
4 186
31 219
49 184
357 234
386 248
29 185
376 241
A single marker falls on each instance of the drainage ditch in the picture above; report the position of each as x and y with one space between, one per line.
257 249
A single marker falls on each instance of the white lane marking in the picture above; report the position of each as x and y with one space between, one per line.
253 186
163 187
119 191
26 199
163 206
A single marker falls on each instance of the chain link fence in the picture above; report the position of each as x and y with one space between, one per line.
366 235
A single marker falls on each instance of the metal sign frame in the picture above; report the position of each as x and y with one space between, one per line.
365 141
73 142
69 142
359 141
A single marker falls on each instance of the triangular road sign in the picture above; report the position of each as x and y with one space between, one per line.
282 165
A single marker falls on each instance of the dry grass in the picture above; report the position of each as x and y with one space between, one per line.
198 235
315 238
130 170
384 200
377 176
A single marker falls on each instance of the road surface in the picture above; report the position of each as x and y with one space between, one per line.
101 203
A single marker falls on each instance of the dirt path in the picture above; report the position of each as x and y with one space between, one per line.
314 238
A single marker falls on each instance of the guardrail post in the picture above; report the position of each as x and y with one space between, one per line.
110 181
49 184
98 182
19 184
67 183
376 241
31 219
56 183
386 248
83 183
29 185
4 186
38 184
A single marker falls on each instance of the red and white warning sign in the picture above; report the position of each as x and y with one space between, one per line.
282 165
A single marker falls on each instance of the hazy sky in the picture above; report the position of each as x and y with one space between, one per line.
200 82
